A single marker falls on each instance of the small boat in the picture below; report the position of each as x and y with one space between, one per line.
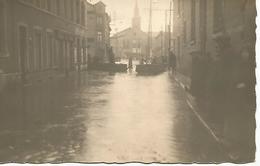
150 69
109 67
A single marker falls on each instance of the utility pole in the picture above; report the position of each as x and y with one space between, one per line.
165 36
149 42
169 27
162 43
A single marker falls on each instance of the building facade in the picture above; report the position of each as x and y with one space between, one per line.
214 41
131 41
98 32
42 38
197 24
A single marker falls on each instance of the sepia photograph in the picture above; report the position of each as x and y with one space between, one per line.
128 81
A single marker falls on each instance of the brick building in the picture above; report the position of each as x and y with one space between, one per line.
98 32
42 38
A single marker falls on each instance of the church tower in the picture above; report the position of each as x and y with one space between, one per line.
136 21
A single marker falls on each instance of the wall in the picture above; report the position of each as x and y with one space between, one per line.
50 41
238 22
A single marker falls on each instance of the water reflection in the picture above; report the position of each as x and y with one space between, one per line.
101 117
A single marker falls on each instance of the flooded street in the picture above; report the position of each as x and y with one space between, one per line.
101 117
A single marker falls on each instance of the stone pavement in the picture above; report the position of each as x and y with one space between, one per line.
238 139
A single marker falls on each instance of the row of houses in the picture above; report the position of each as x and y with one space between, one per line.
214 41
46 38
198 23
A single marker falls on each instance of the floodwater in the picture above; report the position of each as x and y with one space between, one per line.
102 117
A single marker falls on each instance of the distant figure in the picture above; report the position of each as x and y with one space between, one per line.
142 61
89 61
172 62
130 63
111 56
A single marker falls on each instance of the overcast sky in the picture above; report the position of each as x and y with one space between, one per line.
122 11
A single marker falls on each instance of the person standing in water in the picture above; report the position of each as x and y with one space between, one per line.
130 63
172 62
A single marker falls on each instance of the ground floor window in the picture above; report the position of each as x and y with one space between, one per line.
49 50
38 50
2 29
23 49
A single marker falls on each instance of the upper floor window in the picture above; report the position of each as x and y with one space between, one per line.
43 4
179 7
38 3
218 15
78 11
72 9
58 10
65 8
193 20
99 36
2 29
49 5
83 13
184 32
99 20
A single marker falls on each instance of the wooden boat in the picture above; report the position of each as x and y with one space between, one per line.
109 67
150 69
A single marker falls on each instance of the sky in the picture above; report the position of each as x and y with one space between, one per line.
121 12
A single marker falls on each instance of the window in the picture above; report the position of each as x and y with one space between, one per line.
99 20
184 32
49 5
61 54
71 56
62 8
78 12
90 40
38 3
99 37
84 52
38 50
218 16
178 46
82 13
23 49
174 44
68 9
134 50
43 4
179 7
58 11
72 9
49 47
2 28
65 8
193 20
79 53
56 52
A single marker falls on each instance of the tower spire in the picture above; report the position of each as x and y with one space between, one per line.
136 12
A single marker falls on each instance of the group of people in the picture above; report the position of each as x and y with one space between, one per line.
223 83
